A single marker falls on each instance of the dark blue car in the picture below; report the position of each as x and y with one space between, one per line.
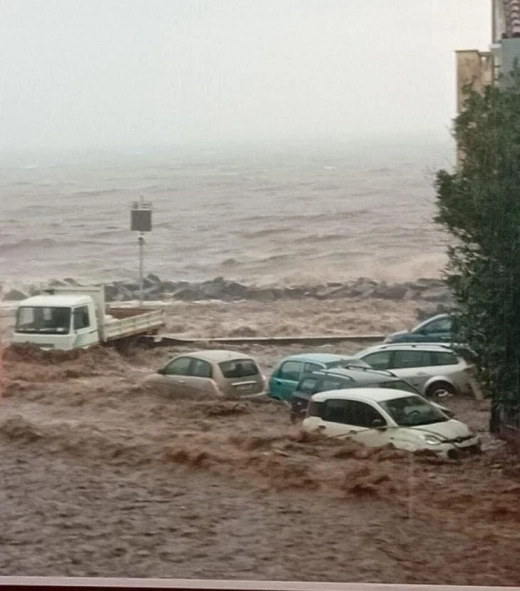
438 329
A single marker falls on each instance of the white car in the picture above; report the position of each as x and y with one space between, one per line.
435 370
377 417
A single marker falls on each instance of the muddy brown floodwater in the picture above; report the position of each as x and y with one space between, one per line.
103 478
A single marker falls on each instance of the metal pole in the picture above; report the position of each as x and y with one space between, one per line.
411 488
141 267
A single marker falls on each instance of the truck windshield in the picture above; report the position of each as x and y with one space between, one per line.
42 320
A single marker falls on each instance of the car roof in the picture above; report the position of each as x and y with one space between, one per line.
361 376
56 301
372 394
216 355
319 357
436 317
407 346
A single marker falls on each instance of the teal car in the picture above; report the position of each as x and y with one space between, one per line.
290 370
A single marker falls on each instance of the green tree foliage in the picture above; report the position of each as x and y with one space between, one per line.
479 205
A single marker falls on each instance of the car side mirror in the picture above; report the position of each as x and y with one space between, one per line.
161 371
378 424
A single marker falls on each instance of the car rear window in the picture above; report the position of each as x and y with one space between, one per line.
239 368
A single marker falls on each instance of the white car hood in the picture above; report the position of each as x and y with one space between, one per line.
451 429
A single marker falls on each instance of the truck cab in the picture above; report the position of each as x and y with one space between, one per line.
57 322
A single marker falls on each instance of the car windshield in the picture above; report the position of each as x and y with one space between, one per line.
239 368
43 320
412 411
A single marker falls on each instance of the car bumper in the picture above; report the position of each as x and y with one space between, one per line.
263 394
454 450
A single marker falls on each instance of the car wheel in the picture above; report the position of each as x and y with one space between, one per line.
440 390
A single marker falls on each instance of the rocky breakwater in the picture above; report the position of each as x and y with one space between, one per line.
433 291
425 289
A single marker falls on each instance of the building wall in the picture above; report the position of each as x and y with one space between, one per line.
474 68
498 20
509 54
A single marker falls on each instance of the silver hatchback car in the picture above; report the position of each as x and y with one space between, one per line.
211 373
435 370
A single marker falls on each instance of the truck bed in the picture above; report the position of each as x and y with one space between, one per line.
126 322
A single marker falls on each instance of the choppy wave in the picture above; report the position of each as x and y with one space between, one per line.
27 244
270 218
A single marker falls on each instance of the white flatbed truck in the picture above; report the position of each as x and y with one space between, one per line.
77 317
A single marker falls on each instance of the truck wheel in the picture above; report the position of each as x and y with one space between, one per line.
127 346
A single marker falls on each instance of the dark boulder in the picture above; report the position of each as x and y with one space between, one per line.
14 295
153 278
189 293
118 292
396 292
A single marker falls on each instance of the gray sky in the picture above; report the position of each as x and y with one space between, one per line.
86 73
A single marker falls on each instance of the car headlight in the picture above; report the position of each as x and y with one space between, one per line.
431 439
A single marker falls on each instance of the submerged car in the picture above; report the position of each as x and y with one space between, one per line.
290 370
215 373
438 329
340 379
435 370
377 417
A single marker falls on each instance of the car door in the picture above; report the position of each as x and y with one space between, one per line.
302 394
175 377
285 379
84 326
199 381
353 419
412 365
